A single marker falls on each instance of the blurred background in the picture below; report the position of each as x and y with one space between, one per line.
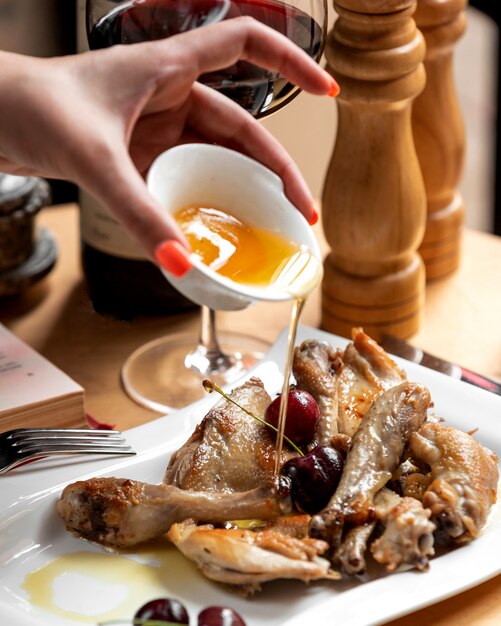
41 28
307 126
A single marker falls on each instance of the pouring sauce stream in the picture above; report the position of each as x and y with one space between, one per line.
254 256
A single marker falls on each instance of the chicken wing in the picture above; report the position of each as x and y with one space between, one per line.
351 553
407 539
367 372
377 448
248 558
316 368
344 384
463 479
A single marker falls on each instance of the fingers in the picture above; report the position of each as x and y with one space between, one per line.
220 120
221 45
247 39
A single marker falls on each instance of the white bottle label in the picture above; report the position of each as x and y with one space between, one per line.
101 231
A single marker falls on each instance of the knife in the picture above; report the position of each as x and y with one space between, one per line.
401 348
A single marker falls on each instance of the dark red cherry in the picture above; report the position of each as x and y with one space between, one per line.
302 416
314 477
219 616
163 609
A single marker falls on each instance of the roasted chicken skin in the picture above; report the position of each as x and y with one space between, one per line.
344 384
229 451
377 448
367 372
463 479
316 368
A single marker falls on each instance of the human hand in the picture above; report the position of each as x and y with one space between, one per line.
101 118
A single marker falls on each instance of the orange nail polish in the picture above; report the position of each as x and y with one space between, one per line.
335 89
173 257
314 217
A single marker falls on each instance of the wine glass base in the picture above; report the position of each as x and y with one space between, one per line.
166 374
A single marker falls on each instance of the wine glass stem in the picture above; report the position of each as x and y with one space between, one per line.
208 332
208 358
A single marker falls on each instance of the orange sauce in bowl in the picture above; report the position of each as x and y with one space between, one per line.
232 248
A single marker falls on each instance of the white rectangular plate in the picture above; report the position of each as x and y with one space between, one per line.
32 535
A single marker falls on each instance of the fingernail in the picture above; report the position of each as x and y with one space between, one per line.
173 257
314 217
335 88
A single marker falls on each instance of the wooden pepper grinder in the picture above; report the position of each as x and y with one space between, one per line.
374 202
439 135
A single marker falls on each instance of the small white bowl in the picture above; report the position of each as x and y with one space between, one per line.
212 175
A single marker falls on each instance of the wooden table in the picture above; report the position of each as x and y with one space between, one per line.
461 323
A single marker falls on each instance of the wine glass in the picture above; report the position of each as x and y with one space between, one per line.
149 372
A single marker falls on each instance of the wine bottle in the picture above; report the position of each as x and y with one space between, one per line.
121 281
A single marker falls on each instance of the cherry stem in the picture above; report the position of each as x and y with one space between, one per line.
210 387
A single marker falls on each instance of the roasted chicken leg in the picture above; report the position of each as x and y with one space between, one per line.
377 448
119 512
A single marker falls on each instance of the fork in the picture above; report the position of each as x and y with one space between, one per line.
21 444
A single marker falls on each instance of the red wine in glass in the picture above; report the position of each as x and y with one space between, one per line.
257 90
